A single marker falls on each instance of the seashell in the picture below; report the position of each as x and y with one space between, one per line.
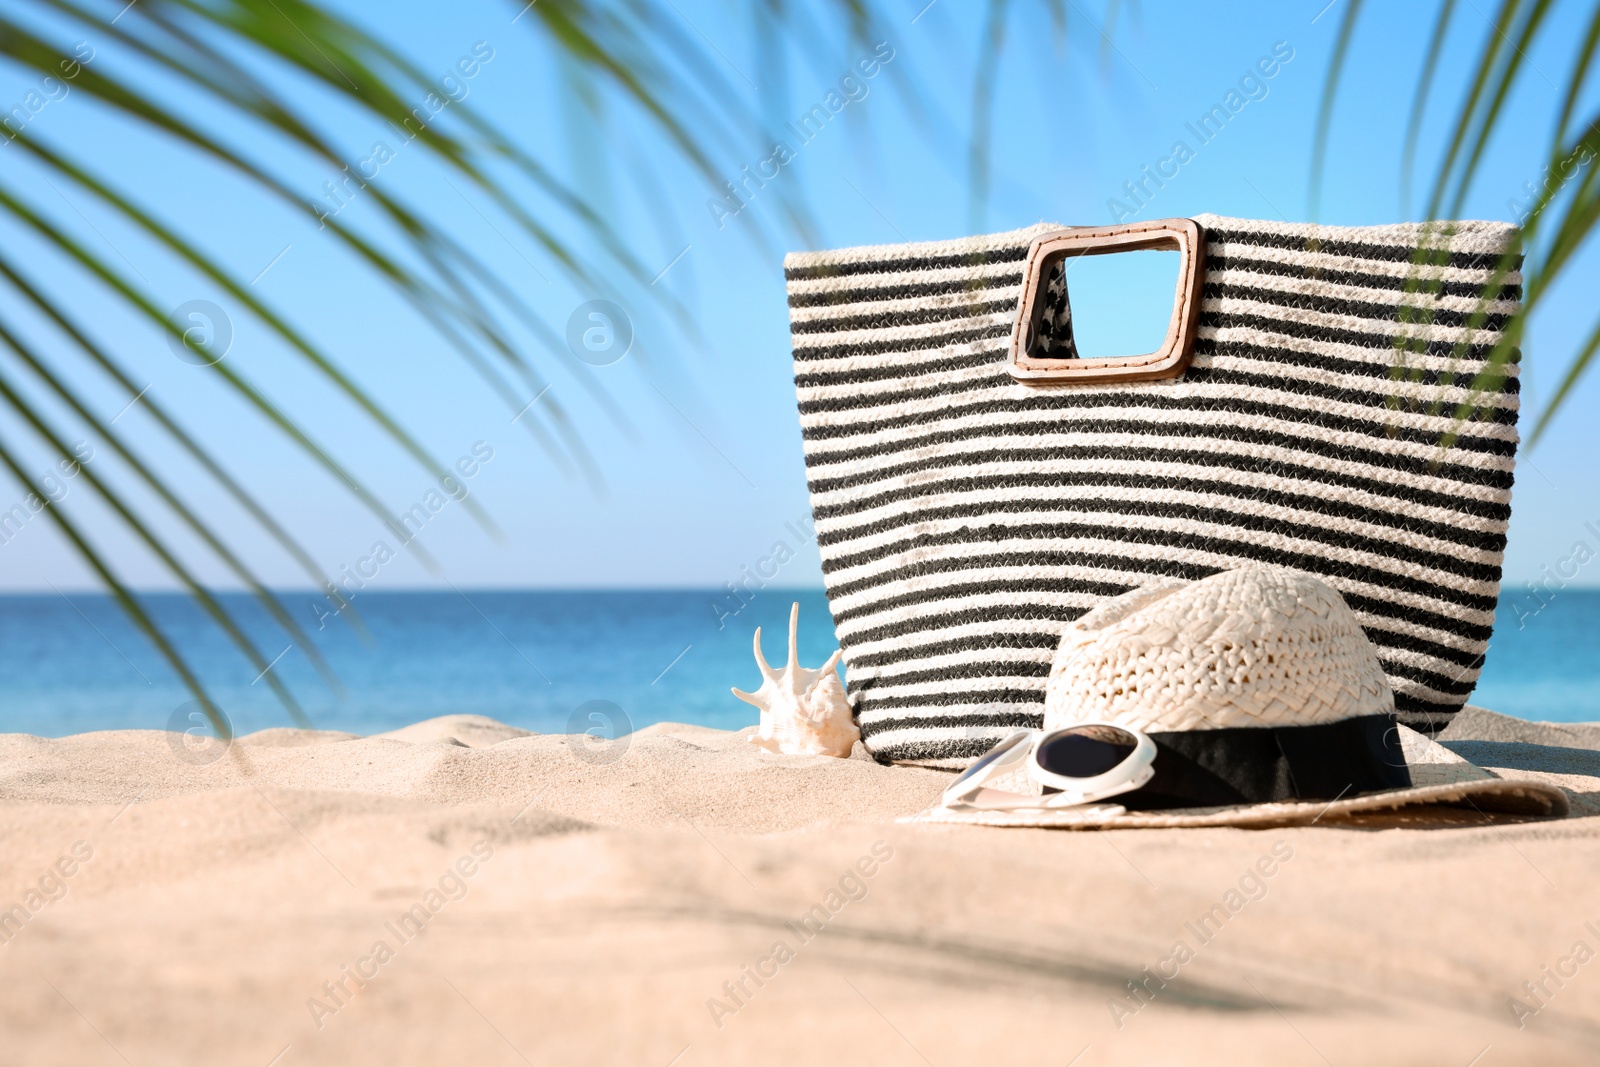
803 713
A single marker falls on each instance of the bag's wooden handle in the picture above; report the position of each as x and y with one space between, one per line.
1168 361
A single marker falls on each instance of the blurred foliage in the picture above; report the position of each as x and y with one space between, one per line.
1562 204
244 66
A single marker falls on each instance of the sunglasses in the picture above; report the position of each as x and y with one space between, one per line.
1076 765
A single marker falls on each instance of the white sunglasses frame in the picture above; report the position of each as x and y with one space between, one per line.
1125 777
1133 772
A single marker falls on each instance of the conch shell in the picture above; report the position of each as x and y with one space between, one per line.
803 713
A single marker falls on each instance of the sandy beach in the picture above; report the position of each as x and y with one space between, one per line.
462 891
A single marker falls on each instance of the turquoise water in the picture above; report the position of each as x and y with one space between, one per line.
530 659
537 660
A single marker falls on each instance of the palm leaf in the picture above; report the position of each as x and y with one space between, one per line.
65 392
1419 103
1330 93
638 48
219 615
1552 238
429 241
122 594
994 42
67 325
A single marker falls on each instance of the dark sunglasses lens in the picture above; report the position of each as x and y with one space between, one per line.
1085 751
1000 749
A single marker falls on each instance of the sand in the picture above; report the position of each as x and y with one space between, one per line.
461 891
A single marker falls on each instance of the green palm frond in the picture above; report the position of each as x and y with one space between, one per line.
637 49
264 70
1561 216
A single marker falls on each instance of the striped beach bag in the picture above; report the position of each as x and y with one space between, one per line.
1323 401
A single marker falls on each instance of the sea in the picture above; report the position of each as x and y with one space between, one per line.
603 662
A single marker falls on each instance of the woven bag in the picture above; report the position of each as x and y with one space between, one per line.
966 514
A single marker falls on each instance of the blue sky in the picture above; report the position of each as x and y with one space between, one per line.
701 460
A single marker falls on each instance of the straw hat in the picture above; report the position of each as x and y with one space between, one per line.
1267 706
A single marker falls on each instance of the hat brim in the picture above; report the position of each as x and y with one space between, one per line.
1440 778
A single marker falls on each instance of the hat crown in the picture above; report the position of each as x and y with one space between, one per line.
1254 647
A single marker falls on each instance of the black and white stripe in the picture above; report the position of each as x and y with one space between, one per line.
964 518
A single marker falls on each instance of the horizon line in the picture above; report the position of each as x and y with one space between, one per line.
96 590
